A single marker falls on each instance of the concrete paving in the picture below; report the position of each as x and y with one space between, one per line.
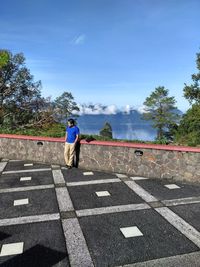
51 216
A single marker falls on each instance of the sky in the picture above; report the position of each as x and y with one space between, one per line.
113 52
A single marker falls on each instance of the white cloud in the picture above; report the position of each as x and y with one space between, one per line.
97 109
79 40
112 109
142 109
127 109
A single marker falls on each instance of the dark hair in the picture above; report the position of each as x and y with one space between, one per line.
72 121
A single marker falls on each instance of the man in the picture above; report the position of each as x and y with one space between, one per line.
71 138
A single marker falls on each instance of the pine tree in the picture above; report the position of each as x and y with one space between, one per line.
160 109
192 92
106 131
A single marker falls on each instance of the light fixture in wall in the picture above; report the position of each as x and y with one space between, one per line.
138 152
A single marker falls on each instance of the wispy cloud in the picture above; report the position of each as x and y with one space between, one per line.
79 40
97 109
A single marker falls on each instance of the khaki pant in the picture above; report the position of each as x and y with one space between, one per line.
69 153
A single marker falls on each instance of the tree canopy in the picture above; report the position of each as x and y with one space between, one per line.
4 58
21 103
192 91
20 96
189 129
64 106
106 131
160 109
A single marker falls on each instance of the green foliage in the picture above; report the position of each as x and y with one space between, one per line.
163 141
19 94
55 130
102 138
160 109
64 105
189 129
4 58
192 92
21 105
106 131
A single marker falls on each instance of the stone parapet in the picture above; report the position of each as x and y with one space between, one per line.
153 161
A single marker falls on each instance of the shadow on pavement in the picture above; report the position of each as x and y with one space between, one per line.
38 255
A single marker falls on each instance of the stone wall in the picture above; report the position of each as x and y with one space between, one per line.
157 161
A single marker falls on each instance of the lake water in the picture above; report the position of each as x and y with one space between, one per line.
127 131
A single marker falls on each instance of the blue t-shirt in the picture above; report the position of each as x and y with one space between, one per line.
72 132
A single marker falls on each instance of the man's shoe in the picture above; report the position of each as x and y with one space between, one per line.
69 167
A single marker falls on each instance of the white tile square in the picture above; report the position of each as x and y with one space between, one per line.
138 178
132 231
102 193
172 186
19 202
55 166
25 179
88 173
4 160
119 175
12 249
64 168
28 164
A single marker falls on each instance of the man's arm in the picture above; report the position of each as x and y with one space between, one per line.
77 137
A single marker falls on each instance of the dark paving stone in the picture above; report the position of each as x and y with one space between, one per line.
40 202
190 213
84 197
156 188
13 180
108 246
3 236
46 249
75 175
19 165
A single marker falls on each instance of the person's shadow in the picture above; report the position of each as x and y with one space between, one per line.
77 154
78 148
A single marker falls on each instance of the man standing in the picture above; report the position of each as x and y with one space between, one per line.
71 138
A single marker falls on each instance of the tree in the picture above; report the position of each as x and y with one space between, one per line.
106 131
192 92
160 109
189 129
64 106
19 94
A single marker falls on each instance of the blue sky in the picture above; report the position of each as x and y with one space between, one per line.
105 51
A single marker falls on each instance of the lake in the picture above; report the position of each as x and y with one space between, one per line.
126 131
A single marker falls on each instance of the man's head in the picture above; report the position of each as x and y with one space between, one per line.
71 122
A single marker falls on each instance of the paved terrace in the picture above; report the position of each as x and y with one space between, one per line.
51 216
